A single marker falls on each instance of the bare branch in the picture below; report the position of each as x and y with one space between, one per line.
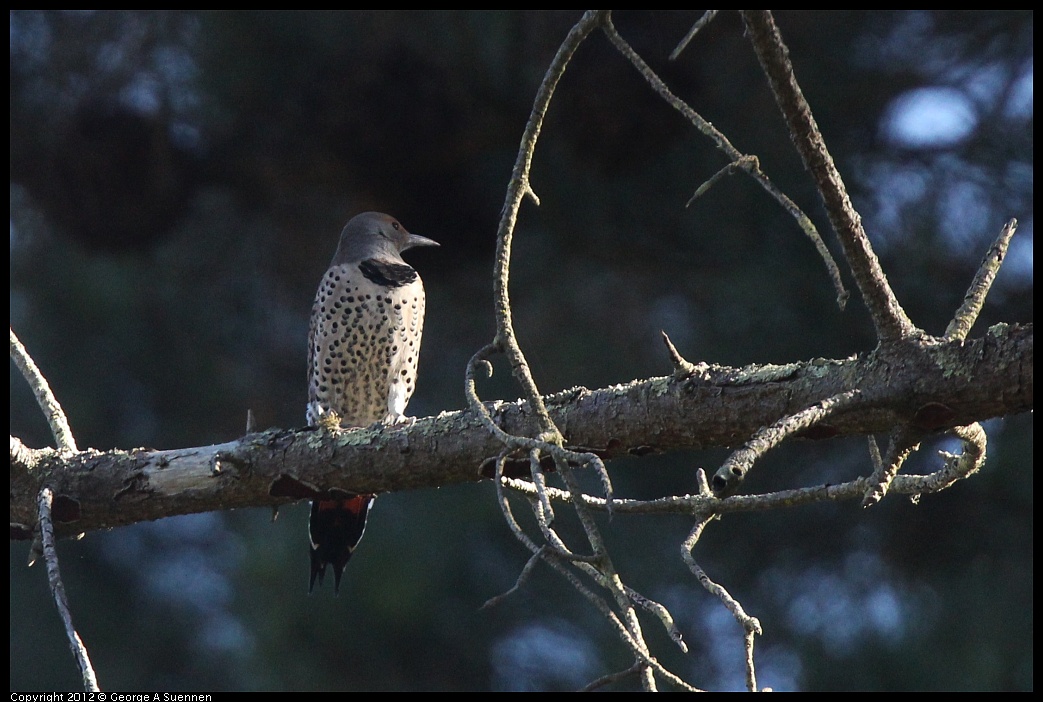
44 397
622 630
750 164
750 625
965 317
557 554
549 440
888 316
970 381
955 468
54 578
22 456
751 671
733 154
607 575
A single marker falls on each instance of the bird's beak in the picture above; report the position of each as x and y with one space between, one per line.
417 240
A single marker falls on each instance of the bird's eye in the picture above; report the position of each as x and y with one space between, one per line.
396 225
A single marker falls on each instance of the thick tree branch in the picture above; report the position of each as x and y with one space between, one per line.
929 386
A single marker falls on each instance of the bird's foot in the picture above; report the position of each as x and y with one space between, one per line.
329 420
395 421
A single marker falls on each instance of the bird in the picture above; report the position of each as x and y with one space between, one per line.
363 345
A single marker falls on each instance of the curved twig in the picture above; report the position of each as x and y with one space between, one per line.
44 397
959 466
522 443
518 187
955 468
519 581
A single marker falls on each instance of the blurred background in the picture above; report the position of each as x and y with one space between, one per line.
178 183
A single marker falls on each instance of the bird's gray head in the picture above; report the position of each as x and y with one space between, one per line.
375 235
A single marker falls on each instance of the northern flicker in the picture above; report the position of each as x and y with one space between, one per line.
363 346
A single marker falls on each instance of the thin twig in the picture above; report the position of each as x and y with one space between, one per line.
751 671
508 514
965 317
613 678
517 189
661 613
44 397
913 485
750 164
523 443
598 567
733 154
639 651
54 578
554 546
544 511
699 24
519 581
874 453
558 556
750 625
904 441
609 578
